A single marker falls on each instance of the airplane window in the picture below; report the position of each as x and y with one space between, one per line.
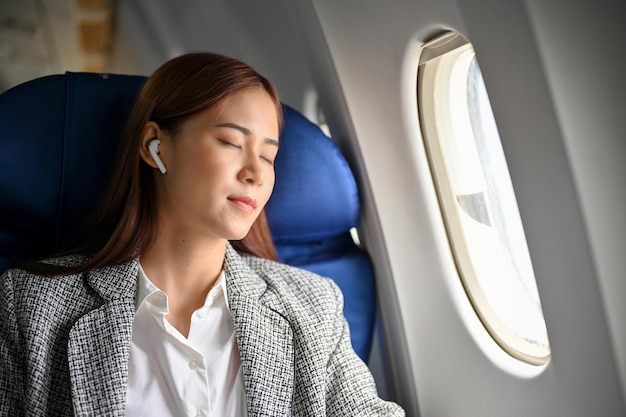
477 198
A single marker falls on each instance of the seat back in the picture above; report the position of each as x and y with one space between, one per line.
58 138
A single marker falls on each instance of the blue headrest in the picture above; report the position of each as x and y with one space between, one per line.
315 195
59 137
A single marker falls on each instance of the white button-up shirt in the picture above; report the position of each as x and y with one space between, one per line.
173 375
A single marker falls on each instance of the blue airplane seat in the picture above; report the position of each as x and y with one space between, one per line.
58 137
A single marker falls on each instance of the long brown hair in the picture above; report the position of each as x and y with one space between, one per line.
124 223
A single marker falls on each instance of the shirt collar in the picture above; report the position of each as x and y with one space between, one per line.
145 288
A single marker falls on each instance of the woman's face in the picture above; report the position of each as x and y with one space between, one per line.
220 167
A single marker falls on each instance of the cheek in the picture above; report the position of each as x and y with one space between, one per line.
269 184
209 163
194 176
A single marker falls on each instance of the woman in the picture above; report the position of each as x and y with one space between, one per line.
153 312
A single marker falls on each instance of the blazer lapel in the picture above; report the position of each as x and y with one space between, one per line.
99 344
264 337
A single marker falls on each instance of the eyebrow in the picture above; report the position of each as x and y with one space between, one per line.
247 132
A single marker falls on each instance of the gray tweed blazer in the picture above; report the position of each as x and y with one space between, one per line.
65 341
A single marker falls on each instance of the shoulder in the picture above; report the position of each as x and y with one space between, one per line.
47 266
296 283
312 303
67 261
32 288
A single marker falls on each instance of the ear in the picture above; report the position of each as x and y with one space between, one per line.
150 131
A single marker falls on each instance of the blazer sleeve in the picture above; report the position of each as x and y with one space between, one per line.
351 389
11 370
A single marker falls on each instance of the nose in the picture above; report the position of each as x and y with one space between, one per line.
251 171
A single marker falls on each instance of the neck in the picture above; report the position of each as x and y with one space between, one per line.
183 263
185 269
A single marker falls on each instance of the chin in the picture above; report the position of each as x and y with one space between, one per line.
239 235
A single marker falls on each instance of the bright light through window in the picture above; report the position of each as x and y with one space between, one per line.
477 198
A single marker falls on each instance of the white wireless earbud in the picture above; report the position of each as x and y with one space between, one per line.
154 151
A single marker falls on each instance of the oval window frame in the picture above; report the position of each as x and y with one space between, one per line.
434 75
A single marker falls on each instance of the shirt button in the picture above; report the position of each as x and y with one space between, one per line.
201 314
200 413
194 363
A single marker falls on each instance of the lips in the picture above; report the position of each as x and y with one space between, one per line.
247 204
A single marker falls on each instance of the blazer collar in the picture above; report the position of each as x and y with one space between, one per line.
264 337
115 282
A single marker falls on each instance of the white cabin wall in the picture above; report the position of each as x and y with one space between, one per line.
363 55
582 48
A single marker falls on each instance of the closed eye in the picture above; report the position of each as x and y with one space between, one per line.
227 143
268 160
